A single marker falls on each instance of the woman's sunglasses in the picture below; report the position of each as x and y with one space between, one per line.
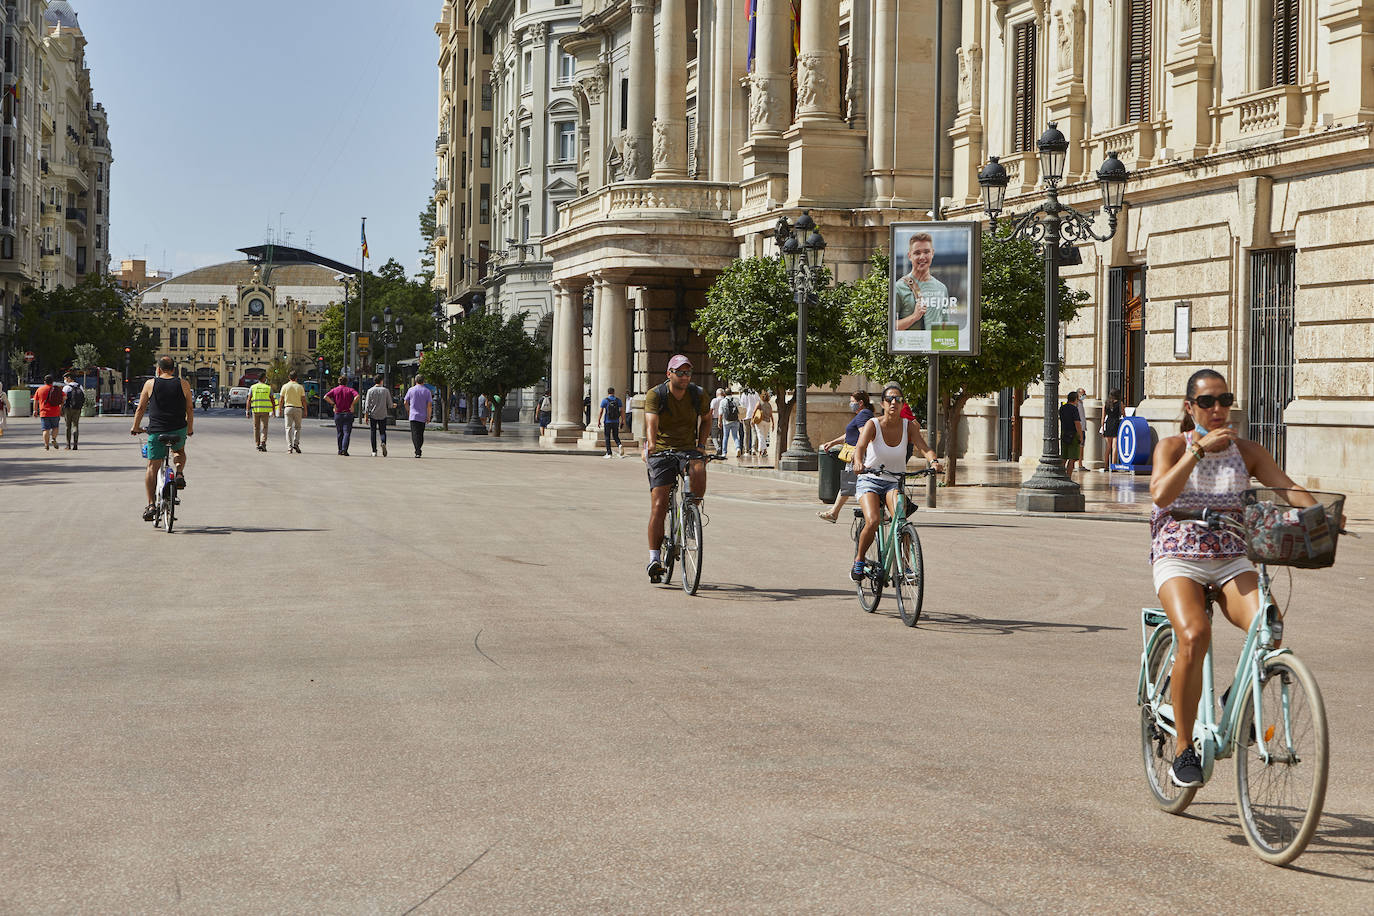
1208 401
892 398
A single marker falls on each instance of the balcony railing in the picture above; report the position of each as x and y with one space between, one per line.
77 214
654 200
441 141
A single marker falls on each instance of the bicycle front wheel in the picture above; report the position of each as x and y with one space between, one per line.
870 587
670 540
1157 745
909 577
1280 799
691 547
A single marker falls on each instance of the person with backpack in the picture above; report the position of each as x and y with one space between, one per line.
73 399
677 416
611 416
731 425
48 397
544 412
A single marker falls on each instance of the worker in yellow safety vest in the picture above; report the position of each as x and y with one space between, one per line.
261 405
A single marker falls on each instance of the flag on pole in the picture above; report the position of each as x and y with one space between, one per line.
750 11
364 237
796 29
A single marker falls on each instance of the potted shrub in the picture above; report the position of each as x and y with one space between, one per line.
18 396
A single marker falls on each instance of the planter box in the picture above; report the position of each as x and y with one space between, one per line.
21 404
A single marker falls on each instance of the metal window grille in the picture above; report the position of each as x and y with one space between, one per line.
1116 331
1272 289
1023 88
1006 424
1138 62
1286 42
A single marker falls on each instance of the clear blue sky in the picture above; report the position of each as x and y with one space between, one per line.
228 117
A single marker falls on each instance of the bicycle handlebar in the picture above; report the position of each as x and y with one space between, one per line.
881 470
690 454
1216 520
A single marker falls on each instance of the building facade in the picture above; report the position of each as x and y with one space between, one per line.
228 322
1248 126
134 276
686 151
55 155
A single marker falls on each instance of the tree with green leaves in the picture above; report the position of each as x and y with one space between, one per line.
1013 334
277 372
410 300
53 322
486 354
749 324
428 225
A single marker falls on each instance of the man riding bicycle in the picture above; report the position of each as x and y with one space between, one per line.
677 417
171 411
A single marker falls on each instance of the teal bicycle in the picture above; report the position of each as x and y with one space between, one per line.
894 557
1272 718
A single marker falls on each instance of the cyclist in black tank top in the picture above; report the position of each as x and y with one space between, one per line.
166 400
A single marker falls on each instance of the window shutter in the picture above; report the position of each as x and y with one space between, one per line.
1286 42
1023 91
1138 62
692 165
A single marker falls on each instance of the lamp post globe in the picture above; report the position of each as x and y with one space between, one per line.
1112 175
1052 146
992 178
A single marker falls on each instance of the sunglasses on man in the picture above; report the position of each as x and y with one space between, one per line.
892 398
1208 401
683 373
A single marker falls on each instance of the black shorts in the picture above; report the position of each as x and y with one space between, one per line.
663 470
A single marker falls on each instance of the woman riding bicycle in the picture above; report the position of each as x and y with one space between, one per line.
1207 466
882 444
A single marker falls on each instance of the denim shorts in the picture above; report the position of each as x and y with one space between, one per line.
870 484
50 422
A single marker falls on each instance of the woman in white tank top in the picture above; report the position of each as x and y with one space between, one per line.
882 444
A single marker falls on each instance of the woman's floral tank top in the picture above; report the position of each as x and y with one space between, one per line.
1216 483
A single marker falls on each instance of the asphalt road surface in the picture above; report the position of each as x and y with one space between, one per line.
358 685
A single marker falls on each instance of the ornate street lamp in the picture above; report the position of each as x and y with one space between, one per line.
1049 489
802 249
390 332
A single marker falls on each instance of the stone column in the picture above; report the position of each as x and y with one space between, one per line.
593 87
1350 41
770 89
613 349
567 348
730 44
881 123
818 63
538 33
636 153
670 93
856 94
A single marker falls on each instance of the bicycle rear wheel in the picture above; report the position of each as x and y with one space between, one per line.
670 538
870 587
909 578
691 547
1281 801
169 501
1156 744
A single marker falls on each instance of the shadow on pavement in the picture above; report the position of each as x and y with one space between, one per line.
967 623
29 468
1339 838
754 593
226 529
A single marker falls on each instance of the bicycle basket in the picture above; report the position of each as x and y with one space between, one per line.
1282 534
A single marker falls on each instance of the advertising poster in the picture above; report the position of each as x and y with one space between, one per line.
936 269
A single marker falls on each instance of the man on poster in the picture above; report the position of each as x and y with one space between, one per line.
918 293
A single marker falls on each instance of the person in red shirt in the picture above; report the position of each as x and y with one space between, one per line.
341 398
48 399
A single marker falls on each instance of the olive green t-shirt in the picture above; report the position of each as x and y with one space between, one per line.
678 422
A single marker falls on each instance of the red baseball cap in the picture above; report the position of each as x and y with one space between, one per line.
677 362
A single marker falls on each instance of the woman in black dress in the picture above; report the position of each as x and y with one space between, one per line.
1111 421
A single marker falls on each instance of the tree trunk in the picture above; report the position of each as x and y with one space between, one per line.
953 414
782 435
445 391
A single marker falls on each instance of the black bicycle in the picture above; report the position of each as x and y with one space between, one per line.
682 536
895 554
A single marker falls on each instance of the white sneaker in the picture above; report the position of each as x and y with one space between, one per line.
374 454
607 455
622 451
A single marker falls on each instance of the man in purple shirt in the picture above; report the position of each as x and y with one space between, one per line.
420 400
341 398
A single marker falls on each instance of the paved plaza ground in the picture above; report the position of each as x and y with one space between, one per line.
357 685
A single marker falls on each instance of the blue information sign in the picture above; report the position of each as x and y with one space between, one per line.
1134 446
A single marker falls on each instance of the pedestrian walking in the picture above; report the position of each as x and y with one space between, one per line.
716 428
73 400
261 405
586 411
862 407
1070 433
48 399
420 400
484 410
292 411
611 417
377 407
748 401
341 398
733 427
463 408
1083 418
4 412
1111 422
544 412
763 422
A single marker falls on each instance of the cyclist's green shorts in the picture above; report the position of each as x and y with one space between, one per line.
154 450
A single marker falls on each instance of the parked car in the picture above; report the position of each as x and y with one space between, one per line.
238 397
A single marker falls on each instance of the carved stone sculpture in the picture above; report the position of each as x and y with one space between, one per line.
970 77
761 101
665 144
1191 17
812 81
634 161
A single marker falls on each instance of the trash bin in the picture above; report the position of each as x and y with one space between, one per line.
829 465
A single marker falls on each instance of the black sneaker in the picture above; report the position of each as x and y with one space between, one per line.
655 570
149 512
856 572
1186 772
180 481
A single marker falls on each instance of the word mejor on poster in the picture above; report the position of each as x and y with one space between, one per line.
934 303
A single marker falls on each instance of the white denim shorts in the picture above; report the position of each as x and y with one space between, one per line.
1203 572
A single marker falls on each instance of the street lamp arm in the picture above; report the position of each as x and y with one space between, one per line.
1076 226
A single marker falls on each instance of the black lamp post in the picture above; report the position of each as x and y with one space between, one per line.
1049 225
802 249
390 332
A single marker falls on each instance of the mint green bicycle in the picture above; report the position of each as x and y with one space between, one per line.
1272 718
894 557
